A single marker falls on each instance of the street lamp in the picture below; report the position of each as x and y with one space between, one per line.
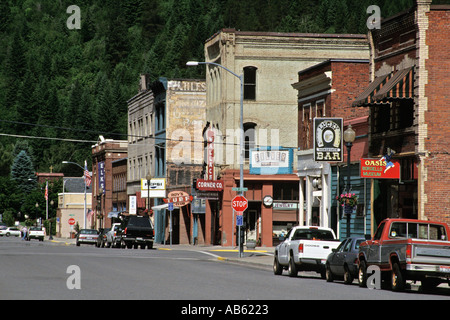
84 214
241 127
349 137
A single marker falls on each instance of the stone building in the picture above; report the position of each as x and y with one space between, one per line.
165 123
269 63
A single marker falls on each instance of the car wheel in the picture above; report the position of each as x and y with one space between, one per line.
362 274
277 269
328 273
150 245
7 234
292 268
78 244
348 278
397 278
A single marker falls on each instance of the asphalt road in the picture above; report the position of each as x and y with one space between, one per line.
48 271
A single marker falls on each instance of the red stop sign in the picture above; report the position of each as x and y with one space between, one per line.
239 203
71 221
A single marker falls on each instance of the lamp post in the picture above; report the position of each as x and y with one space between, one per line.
241 128
349 137
149 178
84 214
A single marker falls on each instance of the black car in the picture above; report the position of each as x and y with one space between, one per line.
342 262
101 240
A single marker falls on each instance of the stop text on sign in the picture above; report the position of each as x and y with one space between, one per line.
239 203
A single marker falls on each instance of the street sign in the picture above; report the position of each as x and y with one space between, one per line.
239 220
239 203
170 206
71 221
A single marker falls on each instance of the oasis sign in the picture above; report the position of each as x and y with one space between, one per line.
380 168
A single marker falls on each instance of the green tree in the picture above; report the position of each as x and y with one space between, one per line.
22 172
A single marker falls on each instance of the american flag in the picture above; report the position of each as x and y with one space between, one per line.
87 176
46 191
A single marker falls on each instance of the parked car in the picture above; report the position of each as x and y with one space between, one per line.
136 231
101 239
343 261
304 249
10 231
88 236
112 239
35 233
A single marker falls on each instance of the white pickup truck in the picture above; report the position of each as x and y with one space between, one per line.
304 249
35 233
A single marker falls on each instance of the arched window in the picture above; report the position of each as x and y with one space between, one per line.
250 83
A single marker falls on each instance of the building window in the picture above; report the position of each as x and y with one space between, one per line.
249 138
160 117
250 83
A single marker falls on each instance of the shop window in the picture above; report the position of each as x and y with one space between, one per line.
250 83
285 191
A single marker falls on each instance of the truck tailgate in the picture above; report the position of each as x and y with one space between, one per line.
315 249
431 254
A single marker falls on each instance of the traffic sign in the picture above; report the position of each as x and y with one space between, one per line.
71 221
239 203
239 220
170 206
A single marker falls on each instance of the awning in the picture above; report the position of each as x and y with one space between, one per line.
163 206
113 214
374 87
400 86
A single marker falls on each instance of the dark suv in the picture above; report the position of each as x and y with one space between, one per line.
137 230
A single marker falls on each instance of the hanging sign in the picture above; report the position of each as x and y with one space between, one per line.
380 168
328 139
178 198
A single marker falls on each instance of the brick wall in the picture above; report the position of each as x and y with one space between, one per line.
437 116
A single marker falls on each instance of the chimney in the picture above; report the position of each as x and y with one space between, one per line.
144 82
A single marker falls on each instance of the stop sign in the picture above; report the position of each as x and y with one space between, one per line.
239 203
71 221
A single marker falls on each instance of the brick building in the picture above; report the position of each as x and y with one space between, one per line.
408 101
104 153
327 90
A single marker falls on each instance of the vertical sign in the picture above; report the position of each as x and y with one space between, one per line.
328 139
133 205
210 155
101 175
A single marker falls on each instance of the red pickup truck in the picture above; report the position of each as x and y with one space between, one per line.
408 249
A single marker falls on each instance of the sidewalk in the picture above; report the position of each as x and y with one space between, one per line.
259 257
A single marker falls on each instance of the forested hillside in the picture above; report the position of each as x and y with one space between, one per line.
60 83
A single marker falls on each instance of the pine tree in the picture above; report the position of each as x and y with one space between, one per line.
22 172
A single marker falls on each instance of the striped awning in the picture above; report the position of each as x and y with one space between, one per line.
400 86
367 96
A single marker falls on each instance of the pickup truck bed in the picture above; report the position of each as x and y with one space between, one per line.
35 233
305 249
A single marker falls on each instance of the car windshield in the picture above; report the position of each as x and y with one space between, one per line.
139 222
313 234
35 229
